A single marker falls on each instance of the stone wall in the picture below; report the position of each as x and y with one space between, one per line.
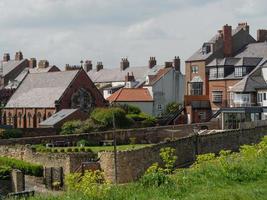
5 187
68 161
132 164
142 135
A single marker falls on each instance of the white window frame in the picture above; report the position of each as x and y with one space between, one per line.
194 69
217 96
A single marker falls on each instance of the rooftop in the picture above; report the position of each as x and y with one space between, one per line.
41 89
131 95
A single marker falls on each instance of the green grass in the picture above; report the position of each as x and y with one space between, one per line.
94 149
230 176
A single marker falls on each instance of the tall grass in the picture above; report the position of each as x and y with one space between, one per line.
228 176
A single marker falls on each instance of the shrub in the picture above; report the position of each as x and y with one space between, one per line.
25 167
88 150
83 143
11 133
104 116
130 109
68 149
168 157
154 177
5 172
75 149
92 184
149 121
171 107
70 127
82 149
62 150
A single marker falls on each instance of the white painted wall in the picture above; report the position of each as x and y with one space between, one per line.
169 88
264 73
146 107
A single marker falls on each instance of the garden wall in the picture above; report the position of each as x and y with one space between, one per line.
142 135
132 164
68 161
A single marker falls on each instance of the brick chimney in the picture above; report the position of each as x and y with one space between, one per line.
176 63
18 56
227 40
124 64
244 25
168 64
43 64
152 62
261 35
6 57
32 63
99 66
87 66
129 78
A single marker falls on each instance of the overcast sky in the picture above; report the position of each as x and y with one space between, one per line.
67 31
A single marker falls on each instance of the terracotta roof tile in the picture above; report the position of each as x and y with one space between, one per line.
131 95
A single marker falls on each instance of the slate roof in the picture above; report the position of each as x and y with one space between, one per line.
117 75
15 83
41 90
258 49
131 95
235 61
10 65
41 70
57 117
251 82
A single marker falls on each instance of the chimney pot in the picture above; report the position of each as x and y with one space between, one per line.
32 63
152 62
177 63
124 64
6 57
87 66
43 64
18 56
99 66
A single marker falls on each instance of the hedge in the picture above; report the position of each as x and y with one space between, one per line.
25 167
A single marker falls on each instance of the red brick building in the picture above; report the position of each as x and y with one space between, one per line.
42 94
217 66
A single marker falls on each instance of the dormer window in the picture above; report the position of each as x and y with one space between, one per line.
240 71
206 48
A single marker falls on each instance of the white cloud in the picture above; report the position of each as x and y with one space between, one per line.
66 31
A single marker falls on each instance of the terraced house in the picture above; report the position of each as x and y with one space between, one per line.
225 74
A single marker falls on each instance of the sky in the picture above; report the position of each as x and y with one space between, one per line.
68 31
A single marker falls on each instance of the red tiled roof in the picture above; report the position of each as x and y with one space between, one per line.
130 95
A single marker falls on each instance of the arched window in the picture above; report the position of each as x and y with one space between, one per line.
49 114
39 118
29 120
20 120
9 119
82 99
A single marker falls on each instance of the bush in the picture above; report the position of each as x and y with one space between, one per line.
83 143
169 158
11 133
5 172
130 109
92 184
171 107
25 167
154 176
70 127
104 116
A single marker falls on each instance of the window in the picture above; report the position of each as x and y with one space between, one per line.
196 88
238 71
194 69
159 107
264 96
217 96
82 99
259 97
202 116
220 72
213 72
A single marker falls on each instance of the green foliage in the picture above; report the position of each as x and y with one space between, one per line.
129 109
92 183
83 143
104 116
25 167
70 127
171 107
155 176
11 133
169 158
5 172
